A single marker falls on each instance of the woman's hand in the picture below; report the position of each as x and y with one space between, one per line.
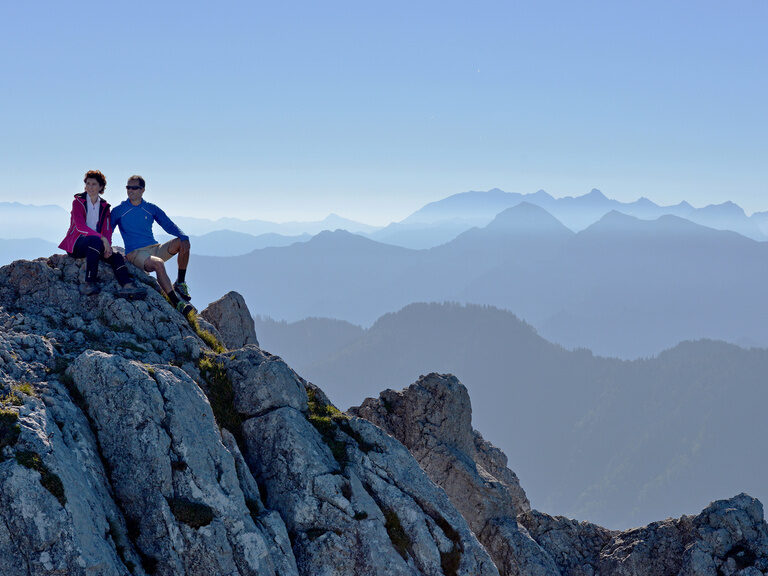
107 247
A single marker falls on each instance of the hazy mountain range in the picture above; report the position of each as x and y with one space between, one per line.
229 243
622 287
660 435
440 221
199 226
668 278
434 224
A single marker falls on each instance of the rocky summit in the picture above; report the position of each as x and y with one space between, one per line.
134 440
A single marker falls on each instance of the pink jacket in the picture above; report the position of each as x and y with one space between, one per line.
78 227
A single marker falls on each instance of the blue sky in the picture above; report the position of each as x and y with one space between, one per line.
293 110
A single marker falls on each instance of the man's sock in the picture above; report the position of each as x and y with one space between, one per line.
173 298
182 275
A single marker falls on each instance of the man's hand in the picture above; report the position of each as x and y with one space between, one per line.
183 246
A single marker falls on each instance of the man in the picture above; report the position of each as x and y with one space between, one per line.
134 217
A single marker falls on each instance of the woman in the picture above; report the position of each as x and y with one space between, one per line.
90 237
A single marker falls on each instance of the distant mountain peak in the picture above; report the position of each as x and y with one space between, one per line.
727 207
527 218
541 194
617 216
337 233
612 221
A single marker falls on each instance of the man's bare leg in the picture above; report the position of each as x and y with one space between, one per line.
156 265
180 247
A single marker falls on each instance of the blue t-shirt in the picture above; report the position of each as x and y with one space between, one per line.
135 224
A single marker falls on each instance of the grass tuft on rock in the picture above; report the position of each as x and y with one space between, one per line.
400 540
364 445
254 507
9 429
25 388
211 341
450 561
11 399
48 479
130 345
221 395
326 419
194 514
118 540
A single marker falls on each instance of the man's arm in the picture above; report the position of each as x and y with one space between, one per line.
168 225
114 217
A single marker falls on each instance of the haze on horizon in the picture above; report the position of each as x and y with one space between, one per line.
294 111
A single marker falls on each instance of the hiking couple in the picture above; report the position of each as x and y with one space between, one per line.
90 237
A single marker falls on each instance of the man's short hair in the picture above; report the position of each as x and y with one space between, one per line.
138 179
98 176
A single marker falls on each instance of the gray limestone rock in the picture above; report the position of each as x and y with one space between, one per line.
44 295
231 317
269 521
728 537
262 382
433 419
56 512
574 546
354 499
171 474
113 462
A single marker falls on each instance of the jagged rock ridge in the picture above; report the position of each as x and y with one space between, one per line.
133 442
432 418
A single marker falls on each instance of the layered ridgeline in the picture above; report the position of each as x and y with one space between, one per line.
640 439
135 441
622 287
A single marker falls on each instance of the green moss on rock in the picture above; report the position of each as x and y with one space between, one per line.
400 539
213 343
9 429
221 395
326 419
48 479
194 514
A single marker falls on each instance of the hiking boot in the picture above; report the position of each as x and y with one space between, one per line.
182 290
89 289
131 291
185 307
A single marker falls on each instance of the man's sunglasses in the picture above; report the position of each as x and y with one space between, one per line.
133 187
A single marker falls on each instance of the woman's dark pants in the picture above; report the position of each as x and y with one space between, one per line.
92 249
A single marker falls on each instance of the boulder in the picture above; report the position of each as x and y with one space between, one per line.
230 315
433 419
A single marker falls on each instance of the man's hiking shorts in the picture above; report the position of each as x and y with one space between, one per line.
139 256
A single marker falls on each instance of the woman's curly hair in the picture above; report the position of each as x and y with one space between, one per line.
98 176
